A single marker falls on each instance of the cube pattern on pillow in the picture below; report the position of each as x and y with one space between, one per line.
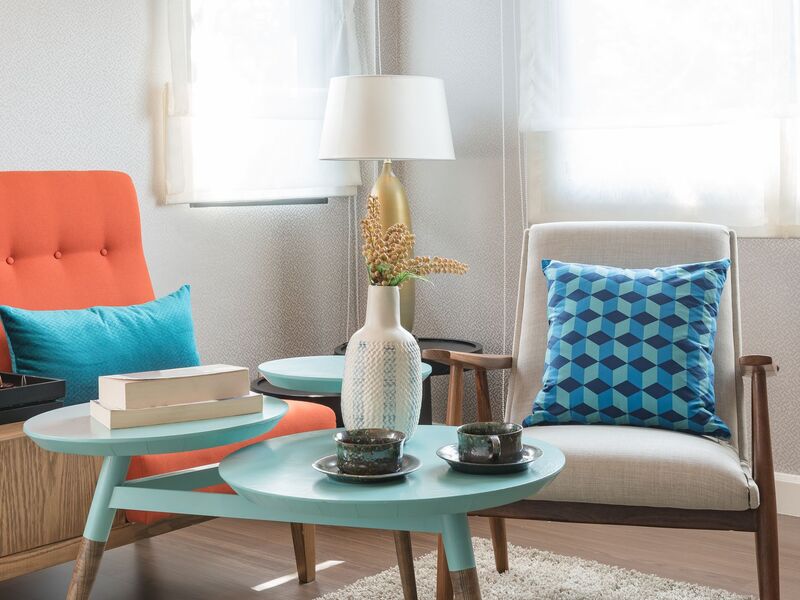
631 346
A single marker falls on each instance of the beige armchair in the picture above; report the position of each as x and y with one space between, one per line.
631 475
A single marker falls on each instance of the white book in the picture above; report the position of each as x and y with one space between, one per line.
173 386
180 413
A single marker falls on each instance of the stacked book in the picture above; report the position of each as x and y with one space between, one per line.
174 396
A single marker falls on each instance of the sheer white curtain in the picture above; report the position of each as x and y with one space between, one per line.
665 109
247 98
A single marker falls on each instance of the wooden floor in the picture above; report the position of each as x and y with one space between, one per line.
224 559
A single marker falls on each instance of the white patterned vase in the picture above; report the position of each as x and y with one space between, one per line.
382 385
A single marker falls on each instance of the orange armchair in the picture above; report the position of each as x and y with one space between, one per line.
72 239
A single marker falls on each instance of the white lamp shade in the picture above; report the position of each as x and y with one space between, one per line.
395 117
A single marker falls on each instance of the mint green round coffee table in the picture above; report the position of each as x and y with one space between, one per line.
276 476
275 481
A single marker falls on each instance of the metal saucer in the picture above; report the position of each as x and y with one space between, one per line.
327 465
450 454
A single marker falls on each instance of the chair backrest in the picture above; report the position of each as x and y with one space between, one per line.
69 239
630 245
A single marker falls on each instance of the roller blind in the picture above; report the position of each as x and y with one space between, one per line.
245 105
665 109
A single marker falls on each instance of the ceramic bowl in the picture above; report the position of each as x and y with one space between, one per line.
369 451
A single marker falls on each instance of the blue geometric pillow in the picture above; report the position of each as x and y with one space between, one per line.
631 346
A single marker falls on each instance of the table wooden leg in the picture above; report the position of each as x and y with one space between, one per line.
465 584
460 558
444 586
86 567
405 561
98 526
304 551
497 526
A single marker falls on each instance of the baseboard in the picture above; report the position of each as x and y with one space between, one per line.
787 489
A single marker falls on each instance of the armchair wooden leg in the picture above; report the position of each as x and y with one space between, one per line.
497 526
405 562
444 585
304 552
769 586
455 396
482 393
767 559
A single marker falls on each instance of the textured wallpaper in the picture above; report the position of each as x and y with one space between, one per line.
770 289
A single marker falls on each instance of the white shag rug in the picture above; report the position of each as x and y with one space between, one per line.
536 575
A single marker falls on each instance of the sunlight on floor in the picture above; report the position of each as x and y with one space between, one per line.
293 577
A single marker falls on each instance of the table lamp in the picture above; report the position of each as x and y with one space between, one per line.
389 118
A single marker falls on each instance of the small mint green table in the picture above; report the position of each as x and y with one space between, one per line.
318 379
70 430
320 374
276 477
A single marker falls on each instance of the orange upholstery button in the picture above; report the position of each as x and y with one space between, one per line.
103 251
10 260
57 254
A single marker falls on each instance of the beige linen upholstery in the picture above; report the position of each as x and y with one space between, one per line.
638 466
638 453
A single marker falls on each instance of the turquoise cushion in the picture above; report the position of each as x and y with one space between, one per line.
631 346
80 345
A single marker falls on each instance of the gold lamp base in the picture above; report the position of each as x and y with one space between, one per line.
394 209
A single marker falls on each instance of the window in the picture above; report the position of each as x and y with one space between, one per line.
247 98
666 109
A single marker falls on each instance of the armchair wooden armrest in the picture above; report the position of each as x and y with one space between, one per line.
459 361
465 359
752 362
758 367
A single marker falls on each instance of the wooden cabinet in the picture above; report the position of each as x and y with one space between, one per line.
44 497
44 500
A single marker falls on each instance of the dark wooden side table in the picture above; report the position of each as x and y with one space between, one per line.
333 401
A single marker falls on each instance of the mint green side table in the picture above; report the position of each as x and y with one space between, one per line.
320 374
319 379
276 477
71 430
